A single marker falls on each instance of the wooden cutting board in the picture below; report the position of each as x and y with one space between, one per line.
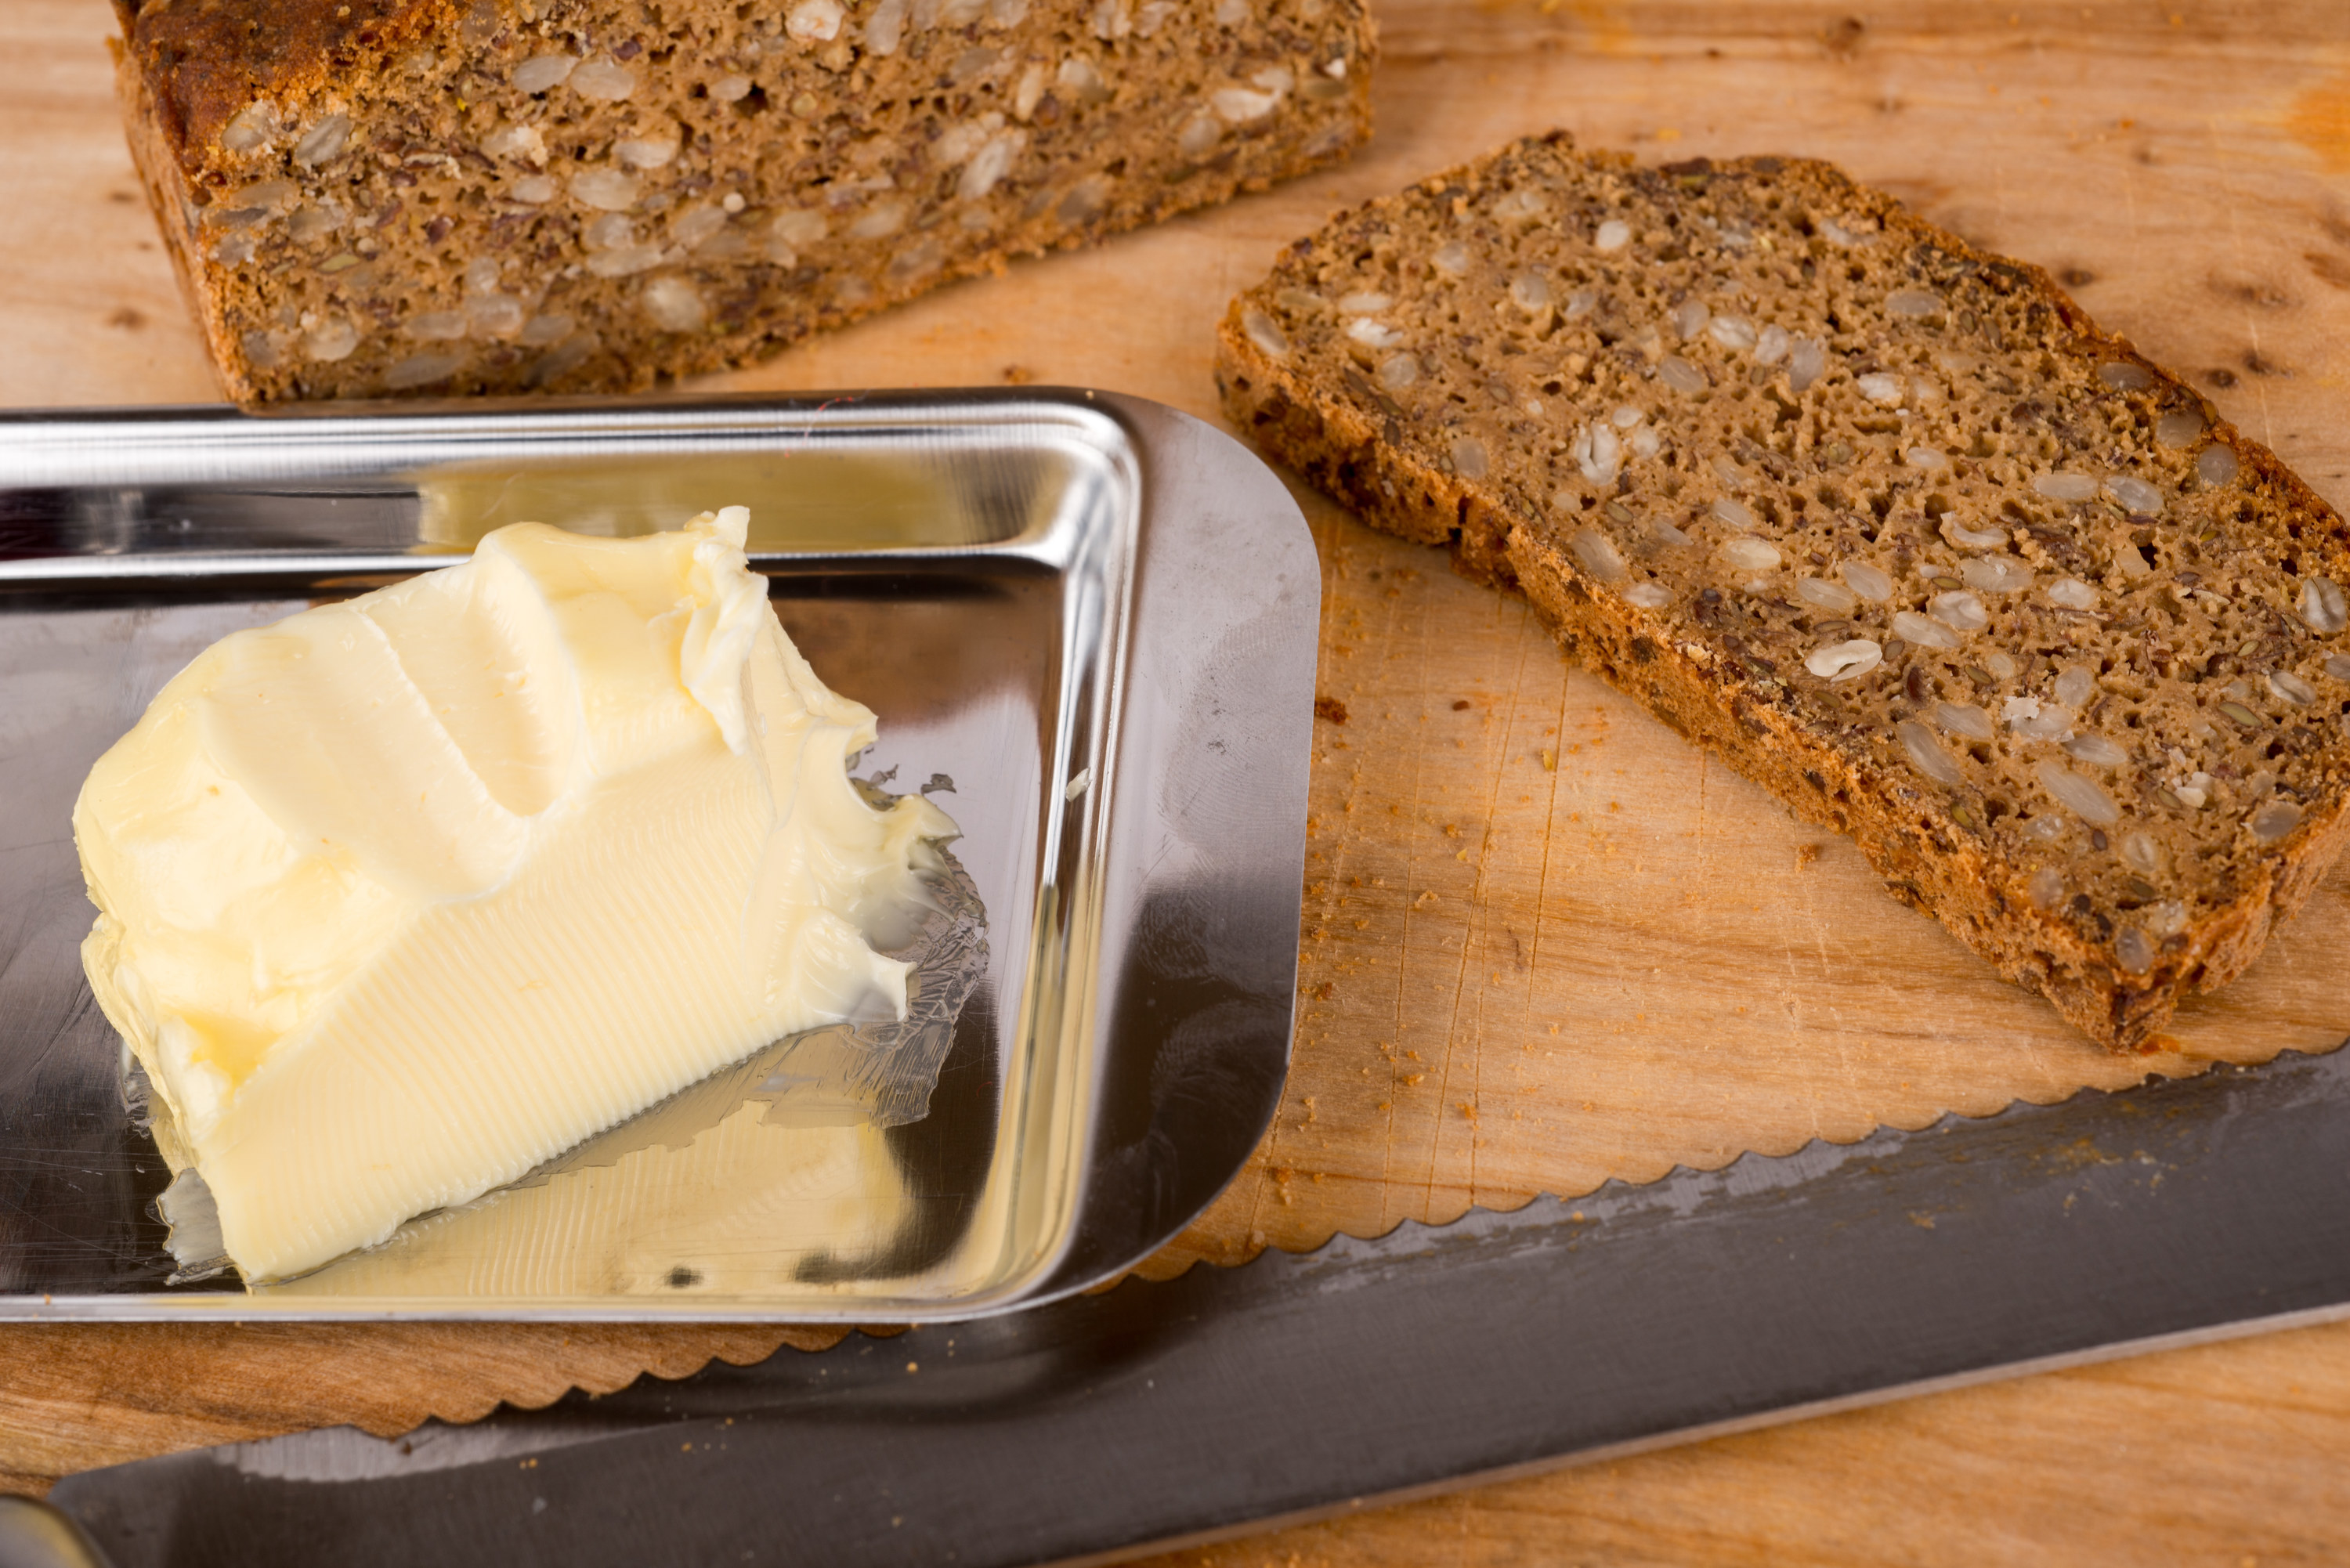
1545 943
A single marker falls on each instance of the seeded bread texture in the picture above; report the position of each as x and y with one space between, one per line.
1886 521
374 197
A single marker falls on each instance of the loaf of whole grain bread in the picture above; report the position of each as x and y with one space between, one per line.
1887 521
371 197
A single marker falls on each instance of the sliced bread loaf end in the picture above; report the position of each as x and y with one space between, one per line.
367 198
1887 521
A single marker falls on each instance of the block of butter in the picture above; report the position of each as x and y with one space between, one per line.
403 895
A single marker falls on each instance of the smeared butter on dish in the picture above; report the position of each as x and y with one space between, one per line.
403 895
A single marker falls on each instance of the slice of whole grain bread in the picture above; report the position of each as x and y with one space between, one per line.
1887 521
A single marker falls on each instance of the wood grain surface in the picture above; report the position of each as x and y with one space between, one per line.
1546 943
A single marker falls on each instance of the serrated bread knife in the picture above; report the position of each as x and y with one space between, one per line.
1297 1386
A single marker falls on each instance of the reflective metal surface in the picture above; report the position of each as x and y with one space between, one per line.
34 1535
1298 1385
1086 622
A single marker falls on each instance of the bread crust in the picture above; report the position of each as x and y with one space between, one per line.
154 155
1389 472
716 181
199 63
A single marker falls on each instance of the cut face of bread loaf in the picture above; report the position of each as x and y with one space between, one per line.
374 197
1887 521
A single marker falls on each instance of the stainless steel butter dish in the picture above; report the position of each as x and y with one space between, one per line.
1088 625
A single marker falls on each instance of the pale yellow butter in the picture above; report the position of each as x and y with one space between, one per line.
401 897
